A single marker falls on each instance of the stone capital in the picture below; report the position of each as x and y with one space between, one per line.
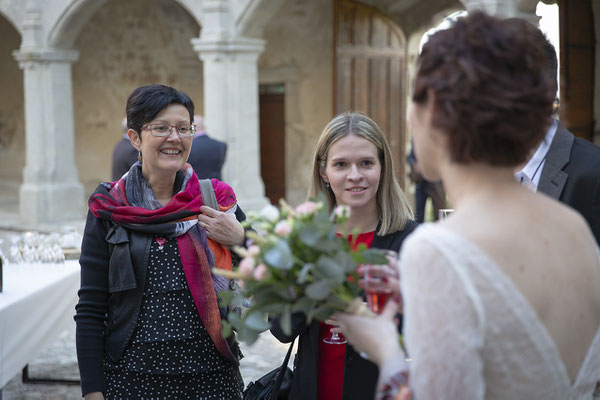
27 58
211 48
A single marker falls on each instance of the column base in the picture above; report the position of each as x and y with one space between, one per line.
53 202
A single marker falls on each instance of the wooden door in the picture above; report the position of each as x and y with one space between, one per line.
370 71
272 141
577 58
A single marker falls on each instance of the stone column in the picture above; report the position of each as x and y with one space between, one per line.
51 190
231 109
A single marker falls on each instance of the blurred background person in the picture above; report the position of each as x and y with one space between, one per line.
424 190
148 321
501 299
208 155
124 154
352 166
565 167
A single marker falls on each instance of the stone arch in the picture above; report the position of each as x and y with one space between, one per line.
12 123
122 46
13 16
253 17
66 18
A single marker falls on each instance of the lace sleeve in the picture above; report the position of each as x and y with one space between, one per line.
443 323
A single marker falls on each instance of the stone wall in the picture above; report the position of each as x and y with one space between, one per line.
126 45
12 120
299 54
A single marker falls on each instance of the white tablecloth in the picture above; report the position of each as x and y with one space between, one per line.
36 305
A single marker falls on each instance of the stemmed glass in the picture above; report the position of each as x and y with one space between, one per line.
335 338
445 212
376 283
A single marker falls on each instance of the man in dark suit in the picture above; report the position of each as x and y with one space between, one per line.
571 174
565 167
207 155
124 154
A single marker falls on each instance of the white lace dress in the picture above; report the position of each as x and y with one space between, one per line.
472 334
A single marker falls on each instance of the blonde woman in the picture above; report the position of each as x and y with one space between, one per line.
352 166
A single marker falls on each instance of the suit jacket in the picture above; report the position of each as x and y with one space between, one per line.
571 174
360 375
207 157
124 156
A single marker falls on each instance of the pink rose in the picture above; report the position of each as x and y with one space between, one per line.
253 251
283 228
306 209
260 272
247 266
342 212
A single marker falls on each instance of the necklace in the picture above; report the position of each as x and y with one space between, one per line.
161 242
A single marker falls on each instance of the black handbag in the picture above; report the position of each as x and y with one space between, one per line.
275 385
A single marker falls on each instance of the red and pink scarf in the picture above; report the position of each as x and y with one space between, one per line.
130 203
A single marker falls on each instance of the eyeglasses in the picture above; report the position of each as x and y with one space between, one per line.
164 130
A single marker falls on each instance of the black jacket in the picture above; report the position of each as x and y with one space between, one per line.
113 274
571 174
360 375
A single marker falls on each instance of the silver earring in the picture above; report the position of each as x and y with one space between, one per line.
140 156
327 185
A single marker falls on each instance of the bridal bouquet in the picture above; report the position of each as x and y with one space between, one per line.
295 263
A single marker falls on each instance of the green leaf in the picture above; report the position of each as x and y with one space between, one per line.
280 256
303 305
346 261
327 245
318 290
235 321
374 256
225 297
322 313
329 268
286 321
256 321
248 335
303 275
273 308
226 328
309 235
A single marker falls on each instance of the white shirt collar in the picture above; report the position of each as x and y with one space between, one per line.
531 172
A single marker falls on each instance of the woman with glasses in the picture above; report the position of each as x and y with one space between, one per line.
148 322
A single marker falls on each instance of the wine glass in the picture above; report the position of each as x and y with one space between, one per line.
335 338
445 212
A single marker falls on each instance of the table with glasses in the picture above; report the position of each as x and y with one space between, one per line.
36 305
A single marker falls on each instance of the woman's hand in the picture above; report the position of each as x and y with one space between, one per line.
221 227
381 278
375 336
94 396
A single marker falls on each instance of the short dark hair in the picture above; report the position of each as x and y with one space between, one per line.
146 102
493 95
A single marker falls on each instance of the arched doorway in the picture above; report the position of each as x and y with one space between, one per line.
370 71
12 129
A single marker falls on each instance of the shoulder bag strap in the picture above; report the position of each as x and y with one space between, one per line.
281 373
208 194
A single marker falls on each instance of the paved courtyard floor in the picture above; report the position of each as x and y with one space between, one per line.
59 361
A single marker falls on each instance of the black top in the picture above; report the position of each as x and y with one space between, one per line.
169 337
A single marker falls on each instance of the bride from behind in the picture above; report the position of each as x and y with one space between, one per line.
502 299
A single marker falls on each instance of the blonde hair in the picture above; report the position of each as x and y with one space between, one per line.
393 209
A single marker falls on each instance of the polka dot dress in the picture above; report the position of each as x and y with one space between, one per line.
170 355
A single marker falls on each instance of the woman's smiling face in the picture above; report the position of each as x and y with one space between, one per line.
353 171
164 156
